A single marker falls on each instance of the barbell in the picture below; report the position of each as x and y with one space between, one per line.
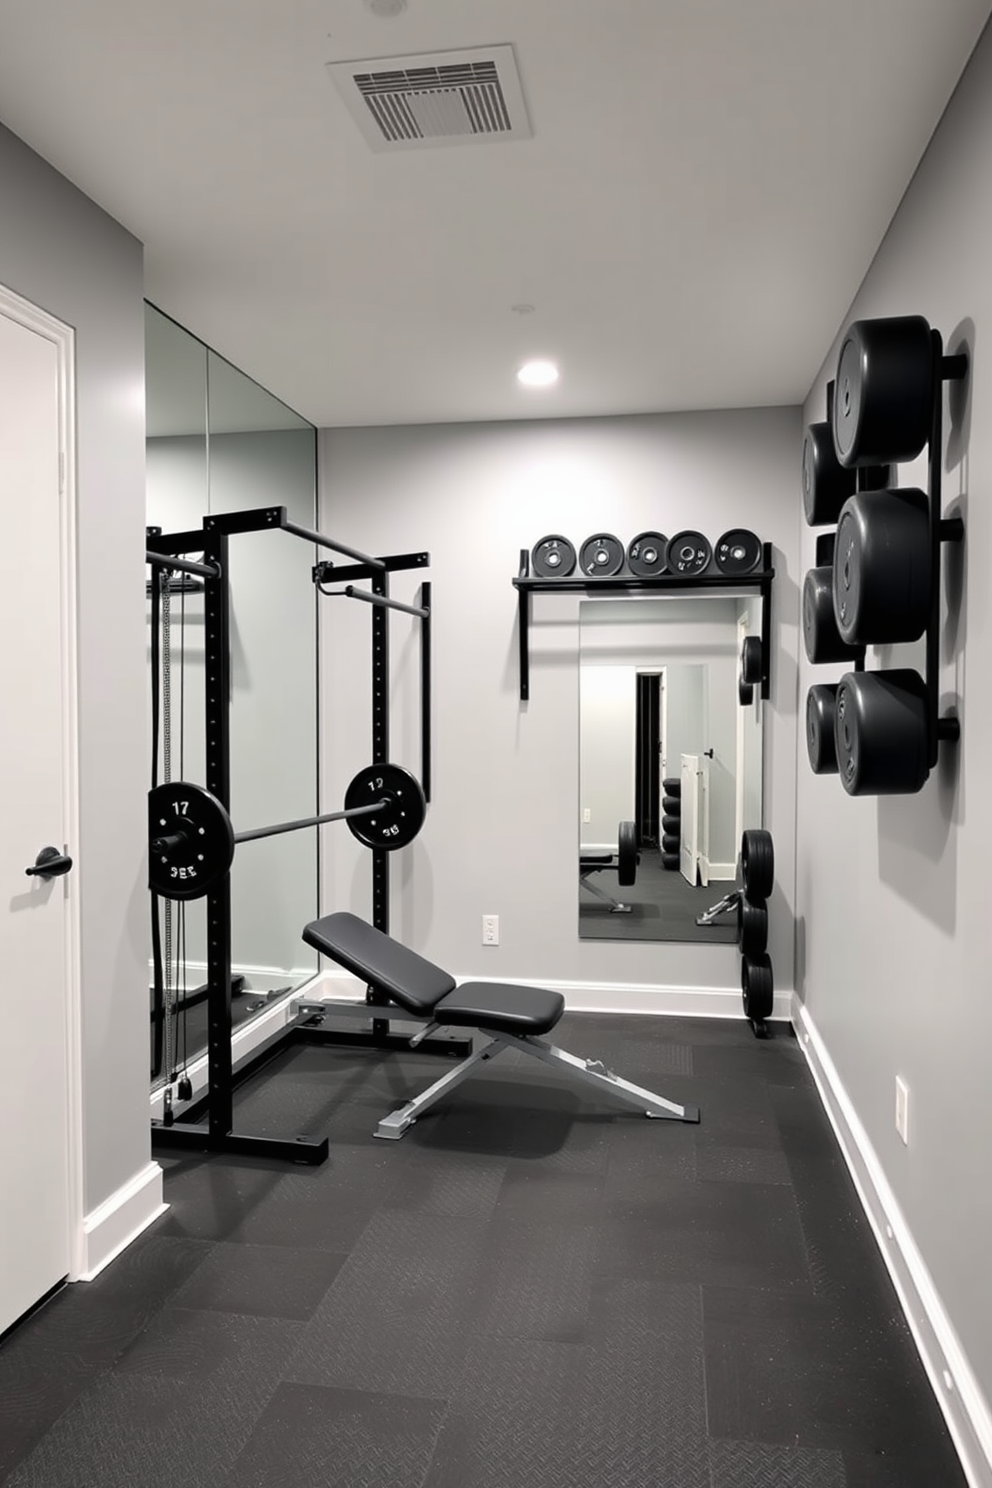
191 839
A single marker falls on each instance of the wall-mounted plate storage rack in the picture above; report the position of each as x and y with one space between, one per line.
758 581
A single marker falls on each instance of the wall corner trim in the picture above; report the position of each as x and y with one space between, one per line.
111 1226
959 1395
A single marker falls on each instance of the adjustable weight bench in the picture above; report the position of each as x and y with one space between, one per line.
512 1017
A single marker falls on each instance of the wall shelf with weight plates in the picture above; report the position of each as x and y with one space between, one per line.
683 564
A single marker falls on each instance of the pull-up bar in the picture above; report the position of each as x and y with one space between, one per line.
389 604
326 542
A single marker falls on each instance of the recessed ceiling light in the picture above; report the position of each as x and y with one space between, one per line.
385 9
538 374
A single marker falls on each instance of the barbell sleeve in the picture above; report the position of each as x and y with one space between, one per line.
309 821
380 599
328 542
183 565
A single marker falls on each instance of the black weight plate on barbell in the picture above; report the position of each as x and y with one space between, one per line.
646 554
757 864
688 553
671 805
880 732
883 399
601 555
745 692
402 815
671 842
757 987
672 822
821 638
821 747
882 574
752 928
553 557
826 483
751 658
670 861
190 840
737 552
627 855
672 785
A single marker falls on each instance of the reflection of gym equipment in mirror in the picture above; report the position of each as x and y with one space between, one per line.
623 863
662 728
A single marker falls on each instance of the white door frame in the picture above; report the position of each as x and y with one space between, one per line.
24 313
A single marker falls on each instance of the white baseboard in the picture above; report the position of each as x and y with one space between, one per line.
111 1226
967 1412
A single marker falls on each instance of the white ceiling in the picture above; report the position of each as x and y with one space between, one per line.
706 185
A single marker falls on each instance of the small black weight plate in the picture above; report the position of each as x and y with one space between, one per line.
821 638
880 732
671 805
737 552
627 855
670 861
672 822
757 987
752 928
821 706
602 555
646 554
751 658
883 399
826 483
757 865
553 557
671 842
190 840
882 574
745 692
688 553
672 785
403 812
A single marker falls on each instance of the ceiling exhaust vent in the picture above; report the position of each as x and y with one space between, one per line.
443 98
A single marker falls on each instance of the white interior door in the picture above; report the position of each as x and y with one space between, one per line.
34 813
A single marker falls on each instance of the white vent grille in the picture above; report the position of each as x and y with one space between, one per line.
451 98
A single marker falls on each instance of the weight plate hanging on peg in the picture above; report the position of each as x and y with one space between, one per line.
738 552
751 658
646 554
826 483
821 637
553 557
882 570
821 709
602 554
757 864
745 692
190 840
883 401
688 553
403 810
880 733
757 987
627 854
752 928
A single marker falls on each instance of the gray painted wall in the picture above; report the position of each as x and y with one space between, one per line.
62 252
500 837
892 894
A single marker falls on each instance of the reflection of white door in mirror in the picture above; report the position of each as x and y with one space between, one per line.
694 856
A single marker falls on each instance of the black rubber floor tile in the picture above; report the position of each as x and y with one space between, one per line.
535 1279
776 1061
207 1347
209 1198
393 1320
459 1185
504 1117
790 1369
535 1190
645 1155
261 1281
309 1208
926 1466
312 1437
744 1234
735 1464
739 1161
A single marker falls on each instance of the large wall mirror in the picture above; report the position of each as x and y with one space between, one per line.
659 700
217 442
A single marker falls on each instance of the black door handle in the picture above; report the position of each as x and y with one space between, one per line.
49 863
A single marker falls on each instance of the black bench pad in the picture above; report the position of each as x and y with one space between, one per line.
500 1008
410 980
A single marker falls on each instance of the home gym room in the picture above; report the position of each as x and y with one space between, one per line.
400 712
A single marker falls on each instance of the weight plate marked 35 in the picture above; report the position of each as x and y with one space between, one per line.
646 554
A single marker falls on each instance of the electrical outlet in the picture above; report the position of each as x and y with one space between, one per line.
902 1109
586 814
490 929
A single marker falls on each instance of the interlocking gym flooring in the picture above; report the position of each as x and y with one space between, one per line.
531 1290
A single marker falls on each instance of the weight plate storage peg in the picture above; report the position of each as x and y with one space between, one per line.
737 552
751 658
883 400
882 568
821 637
826 483
757 987
403 810
689 553
602 555
627 854
553 557
821 708
880 733
646 554
757 865
190 840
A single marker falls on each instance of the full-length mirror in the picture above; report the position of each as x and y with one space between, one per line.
670 763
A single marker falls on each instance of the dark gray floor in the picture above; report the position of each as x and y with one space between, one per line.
528 1291
663 907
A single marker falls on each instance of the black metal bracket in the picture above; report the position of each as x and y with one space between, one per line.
946 369
760 580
